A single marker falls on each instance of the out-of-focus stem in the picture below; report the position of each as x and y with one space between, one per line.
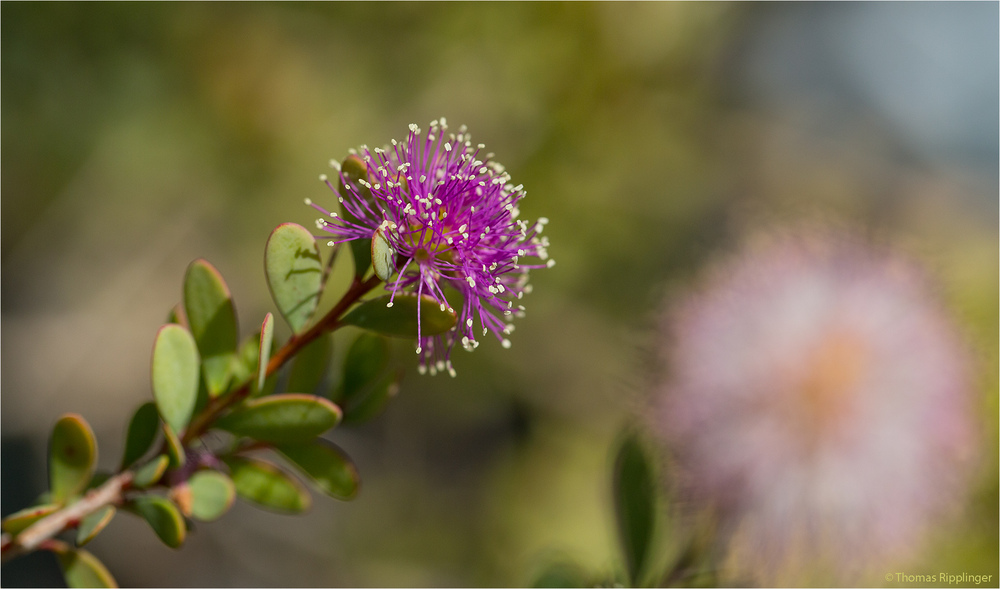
110 493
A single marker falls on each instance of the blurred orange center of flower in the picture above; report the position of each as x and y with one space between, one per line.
828 384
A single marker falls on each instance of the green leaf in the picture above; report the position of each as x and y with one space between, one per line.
635 505
175 375
366 386
212 317
564 574
310 365
353 169
372 401
92 525
401 319
79 567
268 486
151 472
294 273
19 521
177 316
285 418
244 363
163 516
175 450
329 468
264 349
366 360
212 494
141 433
72 457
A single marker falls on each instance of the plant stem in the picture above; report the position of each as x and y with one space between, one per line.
110 493
208 415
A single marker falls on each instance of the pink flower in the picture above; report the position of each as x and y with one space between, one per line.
817 399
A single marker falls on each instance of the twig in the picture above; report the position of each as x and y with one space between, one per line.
110 493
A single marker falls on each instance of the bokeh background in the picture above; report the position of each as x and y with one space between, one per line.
137 137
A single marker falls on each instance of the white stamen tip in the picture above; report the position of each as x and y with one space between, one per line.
505 343
389 304
322 177
309 201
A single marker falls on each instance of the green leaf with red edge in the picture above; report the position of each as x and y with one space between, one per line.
72 457
353 168
19 521
141 433
212 494
212 317
294 273
92 525
177 316
175 375
287 418
400 320
151 472
266 485
161 515
264 349
327 466
175 450
79 567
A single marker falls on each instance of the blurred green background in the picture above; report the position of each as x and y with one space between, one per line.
137 137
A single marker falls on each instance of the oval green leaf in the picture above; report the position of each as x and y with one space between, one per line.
245 362
92 525
400 320
326 465
371 401
264 350
285 418
365 362
383 256
151 472
635 508
268 486
79 567
294 273
352 169
310 365
19 521
212 494
175 375
141 433
72 457
175 450
163 516
212 317
176 315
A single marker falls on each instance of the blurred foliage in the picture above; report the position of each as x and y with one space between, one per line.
138 137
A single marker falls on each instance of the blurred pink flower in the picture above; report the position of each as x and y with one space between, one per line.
817 398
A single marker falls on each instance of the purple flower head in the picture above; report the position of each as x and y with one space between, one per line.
442 213
818 399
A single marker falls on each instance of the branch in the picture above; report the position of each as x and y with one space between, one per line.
110 493
204 420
